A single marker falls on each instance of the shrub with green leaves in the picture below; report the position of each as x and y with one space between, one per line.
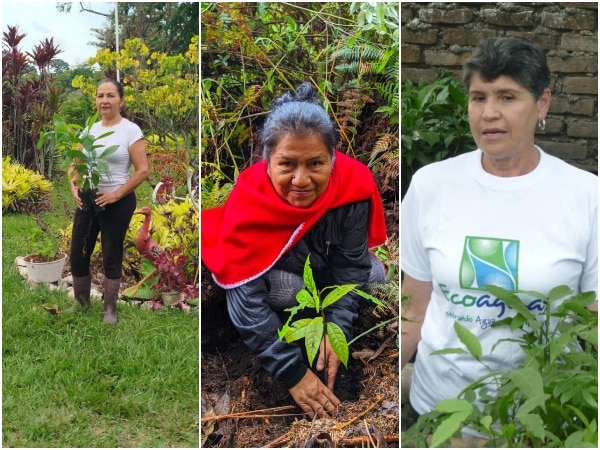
313 330
23 190
434 125
551 400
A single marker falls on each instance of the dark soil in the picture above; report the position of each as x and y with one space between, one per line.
232 381
35 258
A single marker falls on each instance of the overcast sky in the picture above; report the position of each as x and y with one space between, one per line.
71 31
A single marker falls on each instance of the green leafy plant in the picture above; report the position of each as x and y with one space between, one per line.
213 190
28 192
82 152
45 244
313 330
551 400
23 190
434 123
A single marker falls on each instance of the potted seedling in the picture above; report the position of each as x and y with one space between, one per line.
83 153
46 262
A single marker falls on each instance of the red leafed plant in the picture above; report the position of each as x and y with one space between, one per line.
169 264
171 278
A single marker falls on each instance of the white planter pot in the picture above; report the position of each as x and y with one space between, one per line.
45 272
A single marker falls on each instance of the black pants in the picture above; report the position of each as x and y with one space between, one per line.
112 223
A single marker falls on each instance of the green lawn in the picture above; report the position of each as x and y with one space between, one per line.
69 380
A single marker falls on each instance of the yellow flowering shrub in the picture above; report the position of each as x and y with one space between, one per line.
23 190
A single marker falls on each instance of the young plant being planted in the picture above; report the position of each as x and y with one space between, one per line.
314 329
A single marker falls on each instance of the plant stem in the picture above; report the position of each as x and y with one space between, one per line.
323 373
379 325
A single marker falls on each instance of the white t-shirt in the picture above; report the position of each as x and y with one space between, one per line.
463 228
125 134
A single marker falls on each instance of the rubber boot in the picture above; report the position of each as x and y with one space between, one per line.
111 294
81 291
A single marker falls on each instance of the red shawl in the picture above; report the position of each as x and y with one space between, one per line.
244 238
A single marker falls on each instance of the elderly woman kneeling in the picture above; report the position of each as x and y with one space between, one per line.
304 198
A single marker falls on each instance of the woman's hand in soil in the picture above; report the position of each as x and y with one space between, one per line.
314 397
329 361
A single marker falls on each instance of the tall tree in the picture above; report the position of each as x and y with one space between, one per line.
165 27
59 66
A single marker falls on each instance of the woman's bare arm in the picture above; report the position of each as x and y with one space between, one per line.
413 309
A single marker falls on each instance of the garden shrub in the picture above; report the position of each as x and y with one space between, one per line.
214 190
23 190
174 224
435 124
170 159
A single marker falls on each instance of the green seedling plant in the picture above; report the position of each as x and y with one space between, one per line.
44 246
45 242
550 400
313 330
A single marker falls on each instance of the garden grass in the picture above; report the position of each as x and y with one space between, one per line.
70 380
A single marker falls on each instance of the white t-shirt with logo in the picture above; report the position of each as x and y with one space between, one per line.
125 133
463 228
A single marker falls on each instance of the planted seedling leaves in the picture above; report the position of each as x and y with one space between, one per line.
338 342
469 340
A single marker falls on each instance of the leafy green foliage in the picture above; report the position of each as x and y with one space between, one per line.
252 52
164 26
213 190
80 150
160 89
314 330
434 124
23 190
551 400
43 242
381 17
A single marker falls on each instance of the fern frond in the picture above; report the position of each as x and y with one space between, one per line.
386 147
389 92
351 67
371 53
348 53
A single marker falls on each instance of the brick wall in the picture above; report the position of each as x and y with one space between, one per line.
439 37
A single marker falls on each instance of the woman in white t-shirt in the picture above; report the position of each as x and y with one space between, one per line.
506 214
116 195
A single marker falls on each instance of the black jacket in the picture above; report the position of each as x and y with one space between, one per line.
338 249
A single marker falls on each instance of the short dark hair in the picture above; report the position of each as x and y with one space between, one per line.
298 114
516 57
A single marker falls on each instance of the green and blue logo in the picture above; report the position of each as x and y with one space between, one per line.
489 261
